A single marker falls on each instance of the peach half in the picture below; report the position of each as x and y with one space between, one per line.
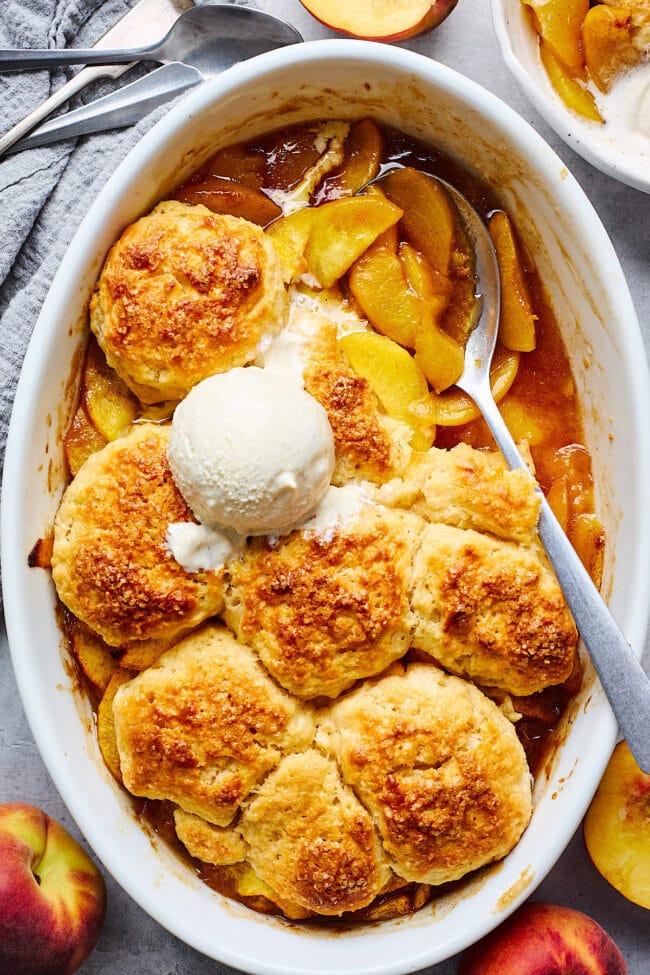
380 20
617 827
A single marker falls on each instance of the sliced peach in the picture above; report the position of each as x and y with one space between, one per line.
439 356
363 150
460 316
224 195
343 229
573 463
378 285
238 162
432 225
141 654
571 495
106 736
299 151
110 405
584 528
331 237
617 827
558 499
434 289
290 235
327 141
522 423
571 92
430 218
94 657
396 380
587 536
380 20
559 23
81 440
454 408
517 321
607 43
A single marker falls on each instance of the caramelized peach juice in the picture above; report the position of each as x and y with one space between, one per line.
538 396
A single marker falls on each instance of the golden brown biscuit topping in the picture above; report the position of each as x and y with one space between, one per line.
324 612
185 293
110 562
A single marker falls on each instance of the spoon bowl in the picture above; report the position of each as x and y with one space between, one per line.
209 38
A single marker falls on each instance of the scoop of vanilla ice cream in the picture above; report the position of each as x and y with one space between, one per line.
250 452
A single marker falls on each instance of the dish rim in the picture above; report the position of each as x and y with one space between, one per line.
567 190
584 137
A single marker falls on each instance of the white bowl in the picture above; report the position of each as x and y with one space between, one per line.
580 270
612 147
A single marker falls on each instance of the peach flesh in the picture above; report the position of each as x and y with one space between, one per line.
380 20
617 827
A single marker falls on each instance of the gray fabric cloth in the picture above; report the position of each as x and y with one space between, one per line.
44 193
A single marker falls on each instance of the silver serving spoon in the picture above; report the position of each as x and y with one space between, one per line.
621 675
194 40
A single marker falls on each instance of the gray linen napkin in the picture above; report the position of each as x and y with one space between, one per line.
44 193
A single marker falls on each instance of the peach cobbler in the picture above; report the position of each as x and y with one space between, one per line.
305 594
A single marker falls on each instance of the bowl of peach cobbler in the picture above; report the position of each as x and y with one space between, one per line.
280 617
585 66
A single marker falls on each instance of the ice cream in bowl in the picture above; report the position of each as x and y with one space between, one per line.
319 703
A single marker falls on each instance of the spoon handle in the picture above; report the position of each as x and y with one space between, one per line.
621 674
55 100
120 108
17 60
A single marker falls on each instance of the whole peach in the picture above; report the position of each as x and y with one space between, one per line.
52 896
545 939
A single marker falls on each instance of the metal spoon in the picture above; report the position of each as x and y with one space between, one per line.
193 40
621 675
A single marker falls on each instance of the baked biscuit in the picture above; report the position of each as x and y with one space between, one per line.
219 845
110 562
185 293
368 444
467 488
310 838
490 610
325 610
438 766
204 725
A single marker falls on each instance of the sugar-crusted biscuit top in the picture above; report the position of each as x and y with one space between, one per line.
311 839
110 563
491 610
204 725
185 293
439 767
325 610
467 488
367 442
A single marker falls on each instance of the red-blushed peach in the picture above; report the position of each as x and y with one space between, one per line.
545 939
380 20
52 896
